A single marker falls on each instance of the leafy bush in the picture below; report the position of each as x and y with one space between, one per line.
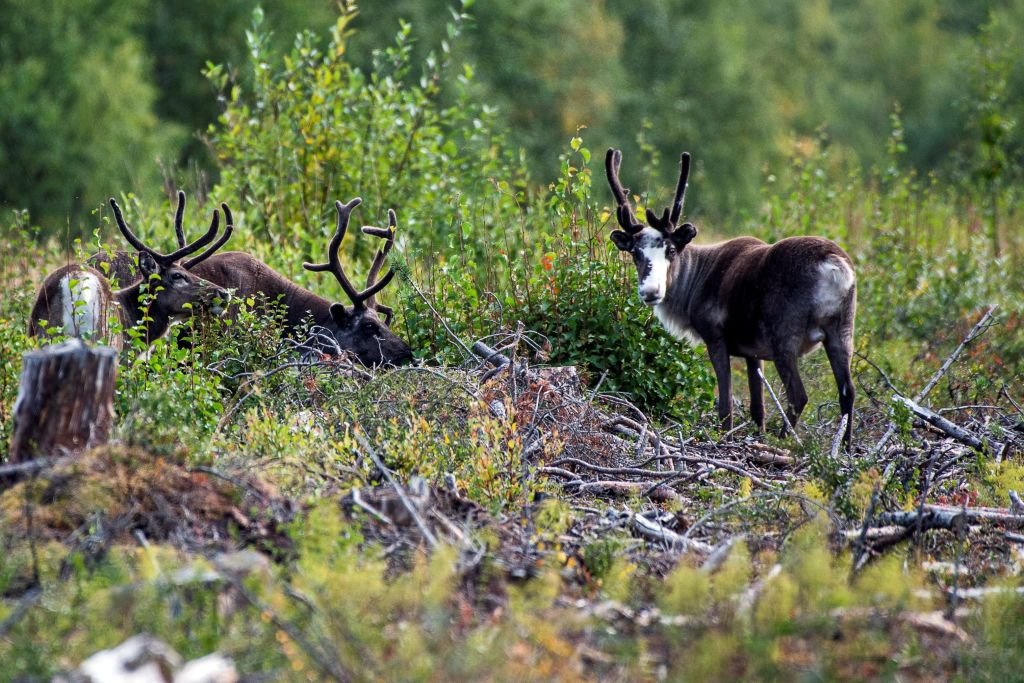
315 129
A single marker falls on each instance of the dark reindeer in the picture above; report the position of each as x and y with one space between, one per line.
78 299
359 328
744 298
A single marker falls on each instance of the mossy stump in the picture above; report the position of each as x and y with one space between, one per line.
65 400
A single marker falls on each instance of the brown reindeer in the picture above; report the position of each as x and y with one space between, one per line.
358 329
77 300
744 298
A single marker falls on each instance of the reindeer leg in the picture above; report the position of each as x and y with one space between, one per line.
756 393
796 395
839 349
719 355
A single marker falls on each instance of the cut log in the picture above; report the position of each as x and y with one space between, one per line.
65 400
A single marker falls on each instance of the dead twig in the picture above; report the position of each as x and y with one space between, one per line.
660 494
28 600
329 663
12 474
366 507
440 318
399 490
785 420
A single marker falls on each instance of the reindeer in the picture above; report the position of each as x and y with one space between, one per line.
744 298
78 300
361 329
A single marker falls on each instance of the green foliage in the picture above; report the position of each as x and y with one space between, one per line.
314 129
64 144
997 654
484 455
164 401
744 85
557 273
184 36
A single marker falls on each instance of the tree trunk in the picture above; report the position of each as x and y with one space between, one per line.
65 400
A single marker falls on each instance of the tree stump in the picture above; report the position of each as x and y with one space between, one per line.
65 400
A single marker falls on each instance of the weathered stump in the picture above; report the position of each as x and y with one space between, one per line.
65 400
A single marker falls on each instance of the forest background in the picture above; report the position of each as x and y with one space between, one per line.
98 97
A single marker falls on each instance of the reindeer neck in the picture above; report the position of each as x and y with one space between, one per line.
687 276
133 312
302 303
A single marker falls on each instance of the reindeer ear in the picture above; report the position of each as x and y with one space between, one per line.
147 264
340 314
622 239
683 235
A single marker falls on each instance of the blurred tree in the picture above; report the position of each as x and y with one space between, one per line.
549 65
994 111
183 36
699 78
745 85
76 108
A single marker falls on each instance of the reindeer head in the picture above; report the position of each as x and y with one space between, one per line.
653 246
177 292
359 328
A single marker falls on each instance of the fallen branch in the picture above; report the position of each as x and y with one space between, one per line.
944 425
12 474
621 471
500 361
837 440
760 453
933 623
655 531
661 494
366 507
947 517
978 328
611 610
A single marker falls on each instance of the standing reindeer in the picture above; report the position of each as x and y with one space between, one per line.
78 300
359 329
744 298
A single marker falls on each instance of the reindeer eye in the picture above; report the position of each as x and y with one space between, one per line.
177 277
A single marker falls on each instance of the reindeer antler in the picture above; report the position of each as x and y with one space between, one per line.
388 234
669 219
179 215
229 227
624 210
333 265
183 250
684 179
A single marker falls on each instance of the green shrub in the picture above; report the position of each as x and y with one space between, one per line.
315 129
